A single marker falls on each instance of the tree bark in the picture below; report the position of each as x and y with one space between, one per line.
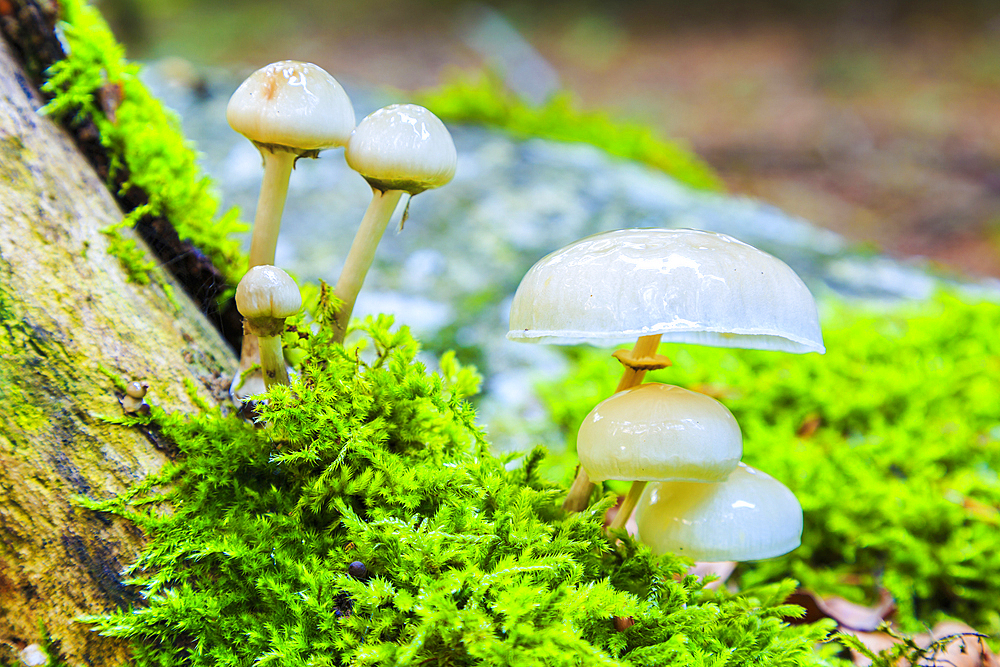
68 317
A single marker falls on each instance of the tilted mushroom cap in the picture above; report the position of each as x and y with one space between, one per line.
659 432
403 147
294 105
267 292
689 286
750 516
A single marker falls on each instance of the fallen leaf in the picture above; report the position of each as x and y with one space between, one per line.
848 615
960 646
722 570
966 648
110 96
809 425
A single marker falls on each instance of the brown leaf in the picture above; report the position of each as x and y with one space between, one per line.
809 425
110 95
721 569
848 615
622 623
962 647
965 649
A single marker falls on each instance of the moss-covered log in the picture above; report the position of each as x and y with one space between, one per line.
73 329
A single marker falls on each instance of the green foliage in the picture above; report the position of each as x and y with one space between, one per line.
898 481
366 456
143 140
485 100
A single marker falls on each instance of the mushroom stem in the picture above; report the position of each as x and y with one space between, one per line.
278 166
579 492
644 347
245 382
272 361
362 253
625 511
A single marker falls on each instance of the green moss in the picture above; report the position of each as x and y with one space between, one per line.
891 441
484 100
143 141
368 457
136 262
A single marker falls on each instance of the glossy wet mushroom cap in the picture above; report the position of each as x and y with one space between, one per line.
267 292
688 286
403 147
750 516
294 105
265 297
659 432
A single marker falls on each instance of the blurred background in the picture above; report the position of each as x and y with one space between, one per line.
877 119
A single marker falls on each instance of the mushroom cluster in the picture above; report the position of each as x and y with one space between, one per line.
681 450
291 110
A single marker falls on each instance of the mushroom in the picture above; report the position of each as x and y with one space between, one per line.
749 516
686 285
265 297
288 110
402 148
132 402
679 284
658 432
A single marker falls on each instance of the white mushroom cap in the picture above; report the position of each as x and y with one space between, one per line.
267 292
402 147
659 432
689 286
750 516
293 105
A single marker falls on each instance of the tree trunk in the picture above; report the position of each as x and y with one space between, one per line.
68 319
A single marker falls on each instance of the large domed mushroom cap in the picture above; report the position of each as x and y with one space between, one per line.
659 432
294 105
750 516
688 286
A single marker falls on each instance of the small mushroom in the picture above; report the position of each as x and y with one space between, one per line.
402 148
132 402
680 285
658 432
265 297
749 516
288 110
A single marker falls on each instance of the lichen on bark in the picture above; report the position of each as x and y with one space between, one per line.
69 317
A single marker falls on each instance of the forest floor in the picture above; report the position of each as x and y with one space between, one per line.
882 127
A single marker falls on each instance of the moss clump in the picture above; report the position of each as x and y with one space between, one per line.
145 147
484 100
367 457
891 441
